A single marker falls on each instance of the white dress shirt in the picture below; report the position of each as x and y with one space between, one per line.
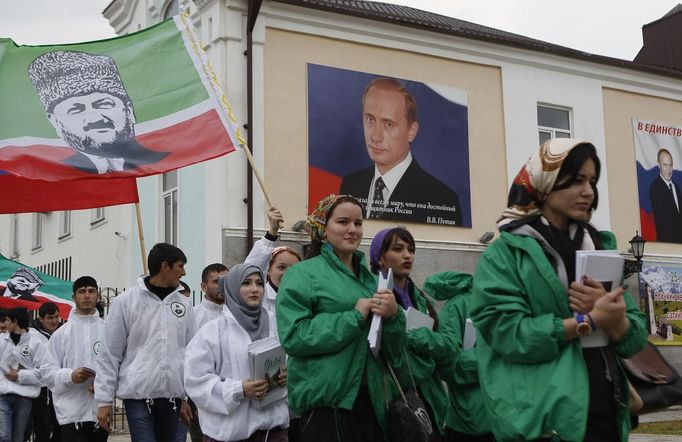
391 180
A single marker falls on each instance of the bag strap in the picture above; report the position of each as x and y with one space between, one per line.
397 384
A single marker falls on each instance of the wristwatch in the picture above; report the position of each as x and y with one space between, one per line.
583 328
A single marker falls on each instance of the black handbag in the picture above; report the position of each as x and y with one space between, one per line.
654 379
408 420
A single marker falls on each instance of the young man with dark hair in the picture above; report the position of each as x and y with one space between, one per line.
45 425
69 362
146 332
19 378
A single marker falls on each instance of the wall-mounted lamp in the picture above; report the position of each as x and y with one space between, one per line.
486 237
634 265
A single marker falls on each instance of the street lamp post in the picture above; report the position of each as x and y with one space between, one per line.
634 265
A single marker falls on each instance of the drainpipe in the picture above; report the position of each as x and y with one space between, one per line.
252 15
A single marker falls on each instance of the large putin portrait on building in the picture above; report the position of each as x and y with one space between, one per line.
399 146
658 150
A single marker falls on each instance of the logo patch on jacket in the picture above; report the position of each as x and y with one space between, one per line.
96 346
178 309
25 350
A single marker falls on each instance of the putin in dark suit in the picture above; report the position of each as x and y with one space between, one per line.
396 187
665 201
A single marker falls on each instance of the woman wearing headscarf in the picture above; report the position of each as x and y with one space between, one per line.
459 370
323 314
217 366
542 376
394 249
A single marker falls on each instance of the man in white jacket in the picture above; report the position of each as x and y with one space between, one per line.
213 300
146 332
19 377
69 364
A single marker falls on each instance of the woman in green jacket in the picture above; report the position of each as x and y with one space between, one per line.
460 368
323 316
394 248
548 358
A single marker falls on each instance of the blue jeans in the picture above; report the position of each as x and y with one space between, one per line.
15 411
152 420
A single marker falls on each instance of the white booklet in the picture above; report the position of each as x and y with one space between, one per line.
267 359
374 336
606 267
416 319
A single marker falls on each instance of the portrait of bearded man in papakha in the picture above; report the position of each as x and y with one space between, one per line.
89 107
22 284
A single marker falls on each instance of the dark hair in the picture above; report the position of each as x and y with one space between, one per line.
215 267
19 314
662 151
3 314
390 84
398 232
84 281
163 252
316 245
576 158
47 308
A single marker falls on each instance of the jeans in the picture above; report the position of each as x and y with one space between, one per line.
15 411
152 420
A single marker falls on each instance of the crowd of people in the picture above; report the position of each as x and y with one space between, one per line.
518 351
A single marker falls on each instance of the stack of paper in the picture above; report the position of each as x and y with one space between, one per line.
415 319
267 359
606 267
374 336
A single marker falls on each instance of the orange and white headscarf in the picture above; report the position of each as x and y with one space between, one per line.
535 180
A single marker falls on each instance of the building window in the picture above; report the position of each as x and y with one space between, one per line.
172 8
553 122
14 235
37 231
169 196
97 216
64 224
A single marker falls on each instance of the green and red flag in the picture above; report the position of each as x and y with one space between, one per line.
23 286
132 106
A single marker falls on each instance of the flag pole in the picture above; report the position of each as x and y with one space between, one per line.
222 99
141 236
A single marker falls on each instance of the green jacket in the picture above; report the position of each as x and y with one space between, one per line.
326 338
460 369
424 355
535 382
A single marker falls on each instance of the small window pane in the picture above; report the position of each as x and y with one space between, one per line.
170 180
563 135
550 117
544 136
168 218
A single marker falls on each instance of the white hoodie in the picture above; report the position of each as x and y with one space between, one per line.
143 346
216 362
74 345
206 312
26 356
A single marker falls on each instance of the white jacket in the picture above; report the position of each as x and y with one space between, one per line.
143 346
74 345
269 299
216 362
261 254
26 356
206 312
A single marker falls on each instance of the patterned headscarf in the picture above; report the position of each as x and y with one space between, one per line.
316 221
282 249
536 180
